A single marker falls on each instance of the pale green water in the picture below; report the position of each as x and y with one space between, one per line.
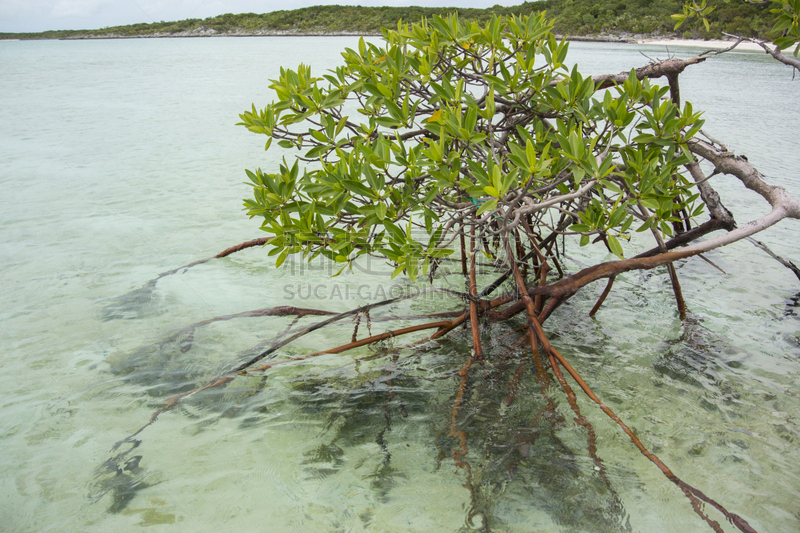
120 160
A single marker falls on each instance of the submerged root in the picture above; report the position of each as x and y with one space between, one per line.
538 301
133 303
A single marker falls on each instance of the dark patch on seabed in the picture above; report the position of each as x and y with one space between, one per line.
695 357
161 368
515 454
792 310
121 477
518 458
138 303
792 307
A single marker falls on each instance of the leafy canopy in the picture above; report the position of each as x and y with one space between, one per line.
446 126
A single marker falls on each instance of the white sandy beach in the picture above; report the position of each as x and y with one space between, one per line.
699 43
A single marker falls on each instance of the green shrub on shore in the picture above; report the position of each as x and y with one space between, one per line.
572 17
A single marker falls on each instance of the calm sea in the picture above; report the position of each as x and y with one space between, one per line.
120 160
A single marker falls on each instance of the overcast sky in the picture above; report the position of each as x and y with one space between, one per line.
41 15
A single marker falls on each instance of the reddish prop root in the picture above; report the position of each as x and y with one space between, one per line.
692 493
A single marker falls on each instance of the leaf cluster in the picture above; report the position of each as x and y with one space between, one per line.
448 125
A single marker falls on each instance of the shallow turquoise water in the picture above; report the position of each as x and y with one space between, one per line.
120 160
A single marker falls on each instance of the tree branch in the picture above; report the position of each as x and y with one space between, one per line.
774 52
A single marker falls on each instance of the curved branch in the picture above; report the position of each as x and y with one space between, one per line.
783 206
690 491
774 52
224 253
568 286
571 284
241 246
537 334
729 163
533 207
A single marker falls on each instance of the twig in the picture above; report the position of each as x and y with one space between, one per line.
351 345
785 262
602 296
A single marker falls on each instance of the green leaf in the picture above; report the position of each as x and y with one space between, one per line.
316 151
650 203
380 210
490 107
435 236
412 266
644 138
646 225
384 90
282 257
318 135
356 187
387 122
397 234
616 247
441 252
680 20
487 206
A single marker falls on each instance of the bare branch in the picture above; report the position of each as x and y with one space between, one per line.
775 52
729 163
668 67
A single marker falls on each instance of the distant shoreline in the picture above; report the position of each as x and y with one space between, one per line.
711 44
211 33
623 22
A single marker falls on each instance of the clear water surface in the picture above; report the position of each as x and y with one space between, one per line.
120 160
